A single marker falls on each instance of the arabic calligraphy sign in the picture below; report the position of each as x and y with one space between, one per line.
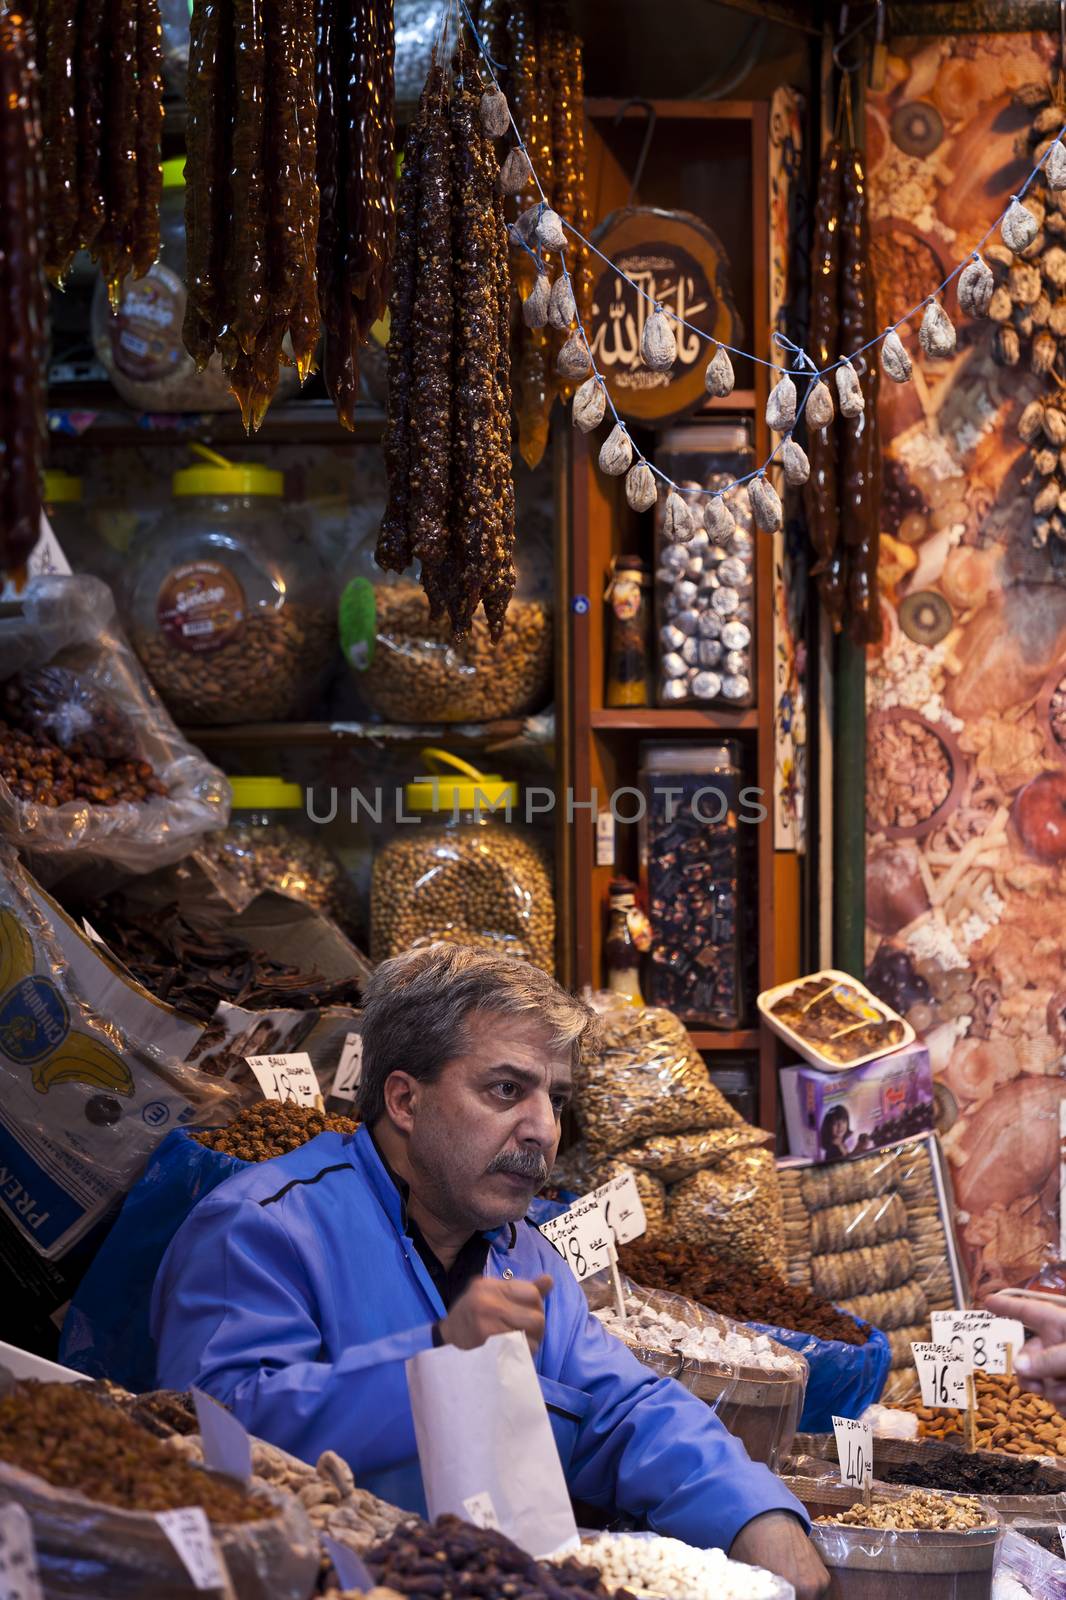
677 260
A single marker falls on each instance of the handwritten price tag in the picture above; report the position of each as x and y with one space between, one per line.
1007 1334
942 1375
349 1068
19 1578
290 1078
189 1533
855 1451
481 1511
622 1208
227 1447
581 1237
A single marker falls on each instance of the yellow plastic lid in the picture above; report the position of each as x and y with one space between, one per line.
439 790
266 794
174 173
225 477
61 488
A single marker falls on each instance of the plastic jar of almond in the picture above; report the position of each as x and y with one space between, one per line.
466 869
229 607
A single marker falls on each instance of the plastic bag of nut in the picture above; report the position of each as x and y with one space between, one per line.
733 1209
410 669
92 769
645 1078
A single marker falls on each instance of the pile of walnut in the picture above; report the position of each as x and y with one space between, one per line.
1028 306
327 1492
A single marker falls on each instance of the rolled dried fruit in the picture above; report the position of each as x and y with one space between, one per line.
57 27
822 510
432 389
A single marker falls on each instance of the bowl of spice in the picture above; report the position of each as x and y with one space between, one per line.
916 774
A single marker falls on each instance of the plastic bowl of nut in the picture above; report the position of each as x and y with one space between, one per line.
833 1020
916 774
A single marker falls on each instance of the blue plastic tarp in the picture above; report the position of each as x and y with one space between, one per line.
844 1378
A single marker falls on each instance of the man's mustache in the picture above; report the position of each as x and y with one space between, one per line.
523 1163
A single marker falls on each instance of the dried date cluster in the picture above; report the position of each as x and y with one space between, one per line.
271 1128
75 1440
964 1473
451 1560
101 75
37 770
448 437
544 80
22 294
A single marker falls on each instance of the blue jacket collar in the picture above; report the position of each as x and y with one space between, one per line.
364 1155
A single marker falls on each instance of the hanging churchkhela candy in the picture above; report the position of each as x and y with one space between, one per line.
448 436
859 472
823 516
100 69
22 298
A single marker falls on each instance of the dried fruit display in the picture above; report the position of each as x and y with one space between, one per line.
101 76
448 438
271 1128
544 80
22 307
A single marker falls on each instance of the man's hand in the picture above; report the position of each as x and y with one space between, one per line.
778 1542
491 1306
1041 1364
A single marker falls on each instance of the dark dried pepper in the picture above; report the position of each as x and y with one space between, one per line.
57 30
433 379
145 241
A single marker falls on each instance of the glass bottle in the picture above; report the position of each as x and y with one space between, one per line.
628 936
627 647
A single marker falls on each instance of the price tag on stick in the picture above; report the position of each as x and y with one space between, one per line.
942 1375
1006 1339
623 1209
581 1237
190 1534
855 1451
481 1511
290 1078
349 1068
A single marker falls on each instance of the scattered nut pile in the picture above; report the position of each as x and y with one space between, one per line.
74 1440
734 1292
274 857
265 674
966 1473
672 1570
452 1560
271 1128
419 674
327 1492
908 775
489 881
38 770
1008 1419
920 1511
655 1329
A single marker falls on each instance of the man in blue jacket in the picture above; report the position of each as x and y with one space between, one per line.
296 1291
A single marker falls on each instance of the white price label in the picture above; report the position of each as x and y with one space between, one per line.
581 1237
350 1569
1007 1334
189 1533
605 839
481 1511
349 1068
942 1375
290 1078
855 1451
977 1336
19 1578
622 1208
227 1447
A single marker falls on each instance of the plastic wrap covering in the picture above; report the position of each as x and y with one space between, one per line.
86 1550
874 1234
734 1209
82 1103
647 1077
755 1386
417 672
670 1157
844 1378
1025 1571
70 622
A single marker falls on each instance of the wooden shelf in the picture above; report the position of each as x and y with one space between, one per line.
93 415
720 720
712 1039
319 734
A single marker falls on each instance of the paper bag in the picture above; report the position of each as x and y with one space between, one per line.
482 1428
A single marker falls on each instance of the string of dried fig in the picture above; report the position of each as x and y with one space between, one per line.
100 69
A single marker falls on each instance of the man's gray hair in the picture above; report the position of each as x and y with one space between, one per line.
416 1008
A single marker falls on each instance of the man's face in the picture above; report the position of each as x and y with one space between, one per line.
483 1137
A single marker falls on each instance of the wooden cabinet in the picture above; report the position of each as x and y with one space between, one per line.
701 157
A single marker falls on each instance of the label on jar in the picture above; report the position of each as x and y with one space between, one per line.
200 606
145 332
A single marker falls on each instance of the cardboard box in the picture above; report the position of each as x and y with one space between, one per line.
833 1115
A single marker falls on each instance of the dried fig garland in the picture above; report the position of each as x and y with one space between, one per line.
448 438
22 298
100 68
290 192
